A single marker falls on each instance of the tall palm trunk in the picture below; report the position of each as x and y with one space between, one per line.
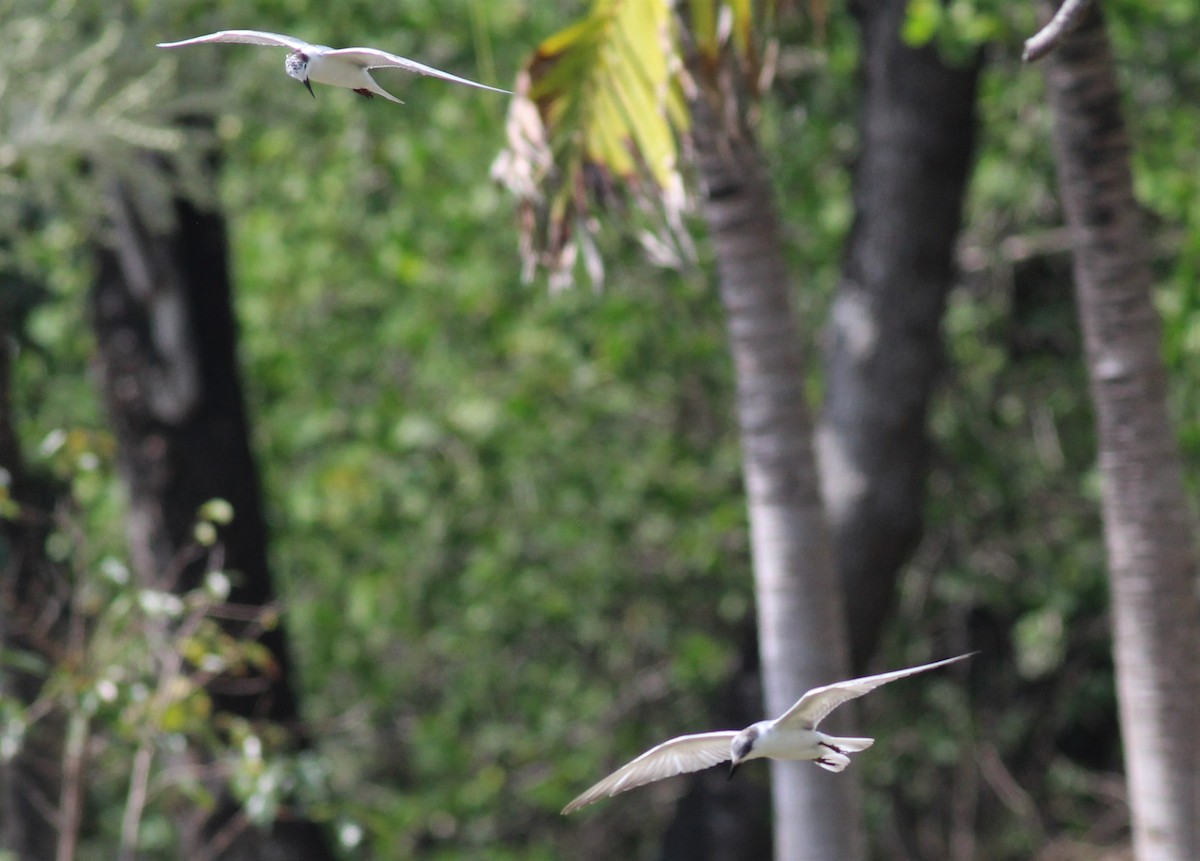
1147 517
909 185
802 633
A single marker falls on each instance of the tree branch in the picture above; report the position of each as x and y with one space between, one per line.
1049 37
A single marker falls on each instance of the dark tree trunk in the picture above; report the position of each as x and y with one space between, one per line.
918 139
166 341
1147 515
801 623
720 819
30 782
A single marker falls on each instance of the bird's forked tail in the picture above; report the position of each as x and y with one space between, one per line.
834 751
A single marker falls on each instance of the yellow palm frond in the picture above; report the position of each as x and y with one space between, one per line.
600 111
601 116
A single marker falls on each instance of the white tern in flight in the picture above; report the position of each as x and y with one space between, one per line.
792 736
338 67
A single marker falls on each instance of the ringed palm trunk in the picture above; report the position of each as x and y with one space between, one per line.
801 623
872 441
1151 562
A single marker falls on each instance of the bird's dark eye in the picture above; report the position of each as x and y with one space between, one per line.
743 743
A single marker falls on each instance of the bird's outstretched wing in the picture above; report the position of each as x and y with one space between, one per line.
812 708
244 37
370 58
677 756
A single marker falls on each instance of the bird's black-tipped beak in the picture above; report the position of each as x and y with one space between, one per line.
310 89
733 767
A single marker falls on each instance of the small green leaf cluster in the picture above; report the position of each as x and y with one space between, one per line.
125 668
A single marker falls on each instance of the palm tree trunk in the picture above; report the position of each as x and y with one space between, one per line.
802 635
1152 567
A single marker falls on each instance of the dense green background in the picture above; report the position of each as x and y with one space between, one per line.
508 523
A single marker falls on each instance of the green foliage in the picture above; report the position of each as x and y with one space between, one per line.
508 525
82 109
122 672
487 500
961 27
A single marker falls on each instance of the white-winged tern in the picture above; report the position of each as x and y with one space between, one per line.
793 735
338 67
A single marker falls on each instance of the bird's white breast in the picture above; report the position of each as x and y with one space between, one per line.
788 743
335 72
